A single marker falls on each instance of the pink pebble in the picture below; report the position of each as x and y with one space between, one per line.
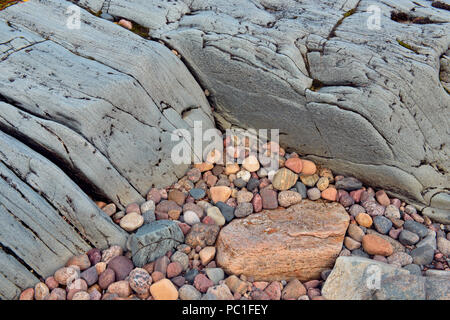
126 24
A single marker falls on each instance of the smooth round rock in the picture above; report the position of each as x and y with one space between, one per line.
284 179
382 224
131 221
376 245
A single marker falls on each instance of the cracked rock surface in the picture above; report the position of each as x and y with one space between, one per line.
367 103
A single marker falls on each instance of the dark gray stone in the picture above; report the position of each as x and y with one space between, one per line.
408 238
190 275
416 227
197 193
301 188
252 184
423 255
239 183
153 240
227 211
382 224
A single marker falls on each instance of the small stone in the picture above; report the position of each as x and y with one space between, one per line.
110 209
174 269
51 283
443 246
308 167
382 224
133 207
252 184
191 218
329 193
139 280
58 294
202 235
215 274
309 180
164 290
375 245
174 214
313 194
148 206
394 233
293 290
373 208
355 209
226 210
294 164
244 196
348 184
81 295
274 290
161 264
121 266
202 283
204 166
416 227
288 198
216 215
243 210
190 275
351 244
90 275
284 179
236 285
409 209
188 292
392 212
131 221
182 258
355 232
423 255
251 164
157 275
346 200
382 198
244 175
322 183
400 258
220 193
194 175
301 188
408 238
121 288
207 254
269 199
95 256
154 195
66 275
82 261
177 196
41 291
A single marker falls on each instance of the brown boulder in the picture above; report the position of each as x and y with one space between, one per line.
298 242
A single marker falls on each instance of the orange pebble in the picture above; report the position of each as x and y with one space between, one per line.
329 193
308 167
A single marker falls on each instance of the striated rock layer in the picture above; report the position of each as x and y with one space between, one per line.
298 242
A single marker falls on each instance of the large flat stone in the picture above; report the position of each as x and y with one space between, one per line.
298 242
153 240
356 278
